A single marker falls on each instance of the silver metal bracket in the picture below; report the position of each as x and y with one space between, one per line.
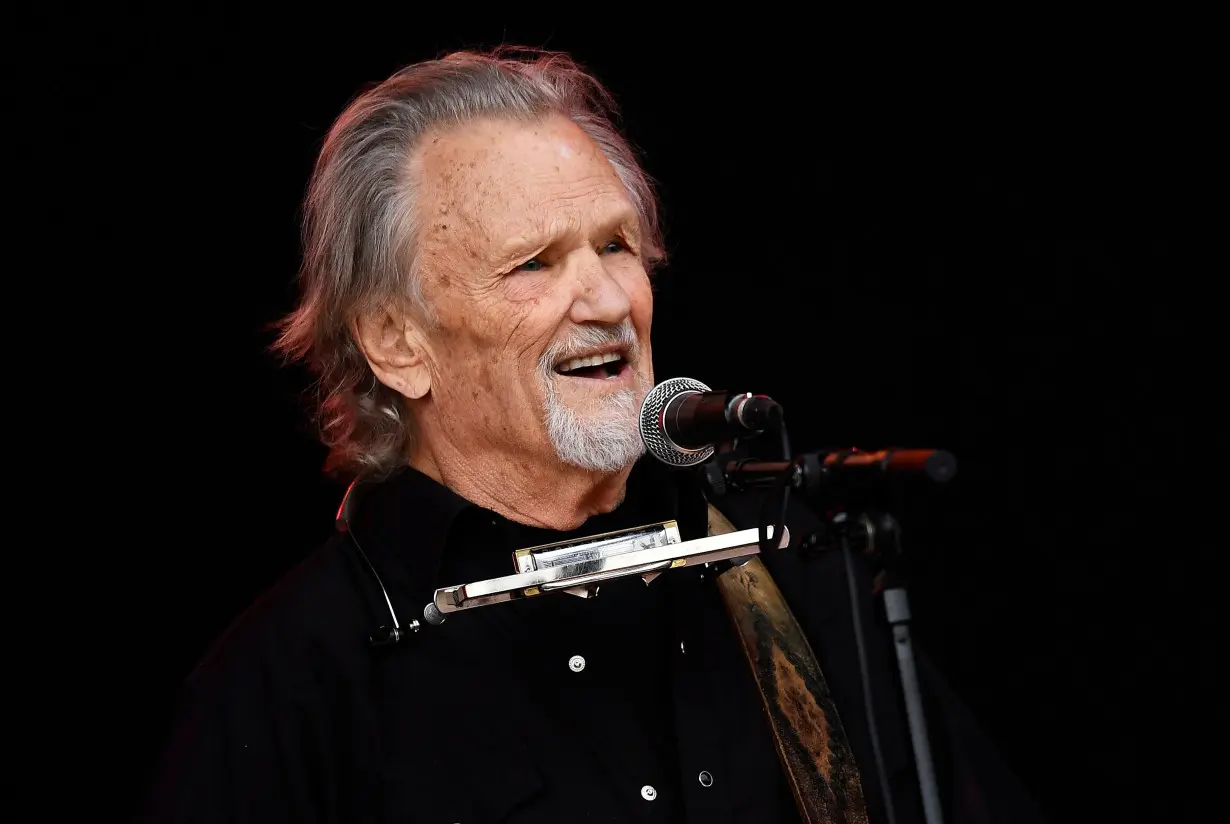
579 566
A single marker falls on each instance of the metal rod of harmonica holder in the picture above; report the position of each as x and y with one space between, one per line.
611 560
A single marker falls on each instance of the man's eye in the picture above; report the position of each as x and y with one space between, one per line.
531 265
614 246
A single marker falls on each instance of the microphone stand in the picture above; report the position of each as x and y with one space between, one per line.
878 538
897 605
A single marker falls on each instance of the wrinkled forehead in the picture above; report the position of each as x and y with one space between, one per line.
493 180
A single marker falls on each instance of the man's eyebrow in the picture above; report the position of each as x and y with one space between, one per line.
521 246
622 219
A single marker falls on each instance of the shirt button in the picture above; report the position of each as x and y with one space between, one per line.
648 793
576 663
706 778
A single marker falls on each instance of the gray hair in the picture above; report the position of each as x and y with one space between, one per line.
359 232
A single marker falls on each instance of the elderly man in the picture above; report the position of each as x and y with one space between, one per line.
477 303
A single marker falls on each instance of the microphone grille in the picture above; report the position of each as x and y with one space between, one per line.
653 431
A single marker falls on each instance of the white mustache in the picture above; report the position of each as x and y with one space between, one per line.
588 338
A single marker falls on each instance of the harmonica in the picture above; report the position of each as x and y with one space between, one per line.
579 566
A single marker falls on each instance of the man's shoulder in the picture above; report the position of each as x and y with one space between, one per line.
314 616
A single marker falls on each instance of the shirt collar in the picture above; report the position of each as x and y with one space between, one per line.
406 520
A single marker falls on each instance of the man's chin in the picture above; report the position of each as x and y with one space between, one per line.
598 443
592 429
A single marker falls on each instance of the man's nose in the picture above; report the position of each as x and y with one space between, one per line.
600 298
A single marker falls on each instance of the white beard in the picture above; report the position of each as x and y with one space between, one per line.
606 440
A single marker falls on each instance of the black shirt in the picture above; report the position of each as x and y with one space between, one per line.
635 705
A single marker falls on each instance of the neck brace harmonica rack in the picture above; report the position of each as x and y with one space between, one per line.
579 566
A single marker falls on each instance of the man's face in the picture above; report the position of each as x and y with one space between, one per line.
530 258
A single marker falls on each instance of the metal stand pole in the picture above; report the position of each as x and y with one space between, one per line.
897 605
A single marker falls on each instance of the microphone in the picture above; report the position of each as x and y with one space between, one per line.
682 419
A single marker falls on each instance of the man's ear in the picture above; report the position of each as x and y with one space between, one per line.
395 350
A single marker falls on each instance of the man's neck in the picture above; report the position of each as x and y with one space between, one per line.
549 495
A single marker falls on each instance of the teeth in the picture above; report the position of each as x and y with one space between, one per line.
592 360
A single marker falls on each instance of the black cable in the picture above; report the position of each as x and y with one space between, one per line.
386 635
781 485
865 675
786 456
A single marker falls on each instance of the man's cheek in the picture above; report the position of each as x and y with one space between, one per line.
528 328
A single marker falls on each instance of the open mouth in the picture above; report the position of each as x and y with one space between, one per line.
603 366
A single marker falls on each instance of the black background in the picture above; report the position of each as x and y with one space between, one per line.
966 234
